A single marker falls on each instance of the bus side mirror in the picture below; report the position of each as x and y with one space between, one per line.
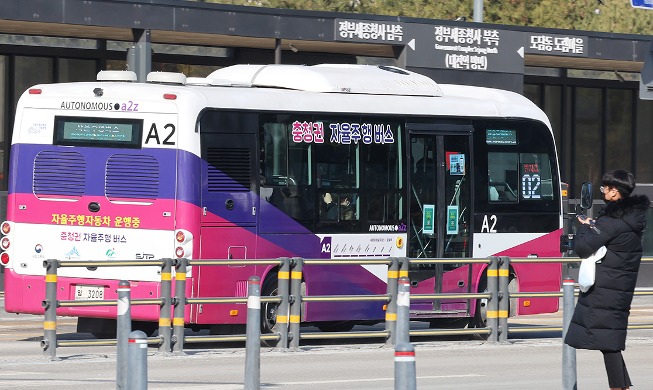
586 196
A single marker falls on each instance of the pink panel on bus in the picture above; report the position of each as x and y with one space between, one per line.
538 276
25 293
110 214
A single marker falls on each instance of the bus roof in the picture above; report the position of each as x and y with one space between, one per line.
359 79
351 89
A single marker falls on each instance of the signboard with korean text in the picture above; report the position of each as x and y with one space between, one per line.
464 48
556 44
369 31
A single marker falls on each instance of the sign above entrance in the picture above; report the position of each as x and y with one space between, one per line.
646 4
464 48
369 31
556 44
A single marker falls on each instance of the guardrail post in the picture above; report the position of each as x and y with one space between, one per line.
403 311
123 329
569 380
405 372
504 297
391 308
283 290
295 300
165 331
180 306
404 265
253 341
493 301
137 354
49 342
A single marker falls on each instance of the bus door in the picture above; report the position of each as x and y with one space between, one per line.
229 210
440 209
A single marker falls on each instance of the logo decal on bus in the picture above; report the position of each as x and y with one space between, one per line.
72 254
388 228
129 106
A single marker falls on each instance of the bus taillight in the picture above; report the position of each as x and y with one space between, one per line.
6 228
4 258
35 91
183 244
5 243
180 237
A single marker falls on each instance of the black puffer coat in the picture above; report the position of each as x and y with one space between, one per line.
601 315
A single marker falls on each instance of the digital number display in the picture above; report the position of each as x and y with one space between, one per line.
102 132
531 181
500 137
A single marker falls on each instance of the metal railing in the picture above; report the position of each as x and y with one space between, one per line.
51 303
290 298
179 339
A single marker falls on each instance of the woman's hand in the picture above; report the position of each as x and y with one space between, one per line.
585 220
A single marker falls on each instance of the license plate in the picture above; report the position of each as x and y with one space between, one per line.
93 293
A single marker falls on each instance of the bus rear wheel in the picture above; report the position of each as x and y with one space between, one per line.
269 310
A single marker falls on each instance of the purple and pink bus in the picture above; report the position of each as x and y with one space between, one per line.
263 161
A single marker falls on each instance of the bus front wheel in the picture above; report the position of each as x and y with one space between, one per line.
480 314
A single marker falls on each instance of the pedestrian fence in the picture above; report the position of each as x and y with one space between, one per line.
289 297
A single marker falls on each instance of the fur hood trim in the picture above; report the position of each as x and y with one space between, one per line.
627 205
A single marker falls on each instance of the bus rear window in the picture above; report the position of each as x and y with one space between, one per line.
99 132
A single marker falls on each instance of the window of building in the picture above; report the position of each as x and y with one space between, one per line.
644 138
619 129
71 69
587 136
30 71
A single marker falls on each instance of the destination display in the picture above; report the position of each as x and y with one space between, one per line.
82 131
500 137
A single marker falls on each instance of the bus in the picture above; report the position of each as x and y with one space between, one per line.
327 161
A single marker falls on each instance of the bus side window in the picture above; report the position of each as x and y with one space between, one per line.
285 171
338 178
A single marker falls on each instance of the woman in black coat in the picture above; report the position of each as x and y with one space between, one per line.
601 315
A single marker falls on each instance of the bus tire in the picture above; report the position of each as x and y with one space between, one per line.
480 315
269 310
